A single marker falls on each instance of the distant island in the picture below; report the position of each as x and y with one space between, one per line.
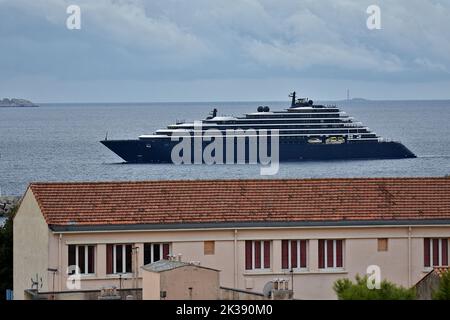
19 103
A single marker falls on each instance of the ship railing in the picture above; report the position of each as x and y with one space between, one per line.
381 139
180 121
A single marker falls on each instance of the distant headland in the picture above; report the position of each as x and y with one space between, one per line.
19 103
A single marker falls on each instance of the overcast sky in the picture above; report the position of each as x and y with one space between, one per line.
210 50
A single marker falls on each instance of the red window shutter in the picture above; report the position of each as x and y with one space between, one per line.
445 252
435 252
109 258
303 254
165 251
267 254
248 255
257 254
339 253
426 252
321 254
294 254
330 254
284 254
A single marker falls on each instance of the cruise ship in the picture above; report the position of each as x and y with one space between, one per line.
303 131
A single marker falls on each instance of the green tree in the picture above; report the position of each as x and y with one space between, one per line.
348 290
443 292
6 255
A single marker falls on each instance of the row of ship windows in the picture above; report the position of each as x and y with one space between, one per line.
258 256
305 132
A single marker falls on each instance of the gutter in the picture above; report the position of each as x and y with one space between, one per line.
245 225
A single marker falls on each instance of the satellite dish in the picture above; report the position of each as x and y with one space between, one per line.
267 290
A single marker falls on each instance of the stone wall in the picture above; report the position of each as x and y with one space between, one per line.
124 294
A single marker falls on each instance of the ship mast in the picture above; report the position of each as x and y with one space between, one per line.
293 99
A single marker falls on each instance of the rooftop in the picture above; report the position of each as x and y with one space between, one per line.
166 265
214 202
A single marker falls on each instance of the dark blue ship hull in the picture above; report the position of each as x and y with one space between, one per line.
158 150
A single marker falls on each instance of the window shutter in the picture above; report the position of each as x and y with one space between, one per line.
267 254
294 254
302 253
165 251
435 252
321 254
248 255
284 254
257 254
426 252
339 253
330 253
445 252
109 258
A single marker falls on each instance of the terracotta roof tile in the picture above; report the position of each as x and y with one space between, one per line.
209 201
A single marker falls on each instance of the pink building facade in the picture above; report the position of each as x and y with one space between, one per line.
307 238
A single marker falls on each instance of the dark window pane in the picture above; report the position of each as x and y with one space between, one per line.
147 253
129 257
71 261
119 257
91 259
156 253
330 263
321 254
303 254
81 259
435 252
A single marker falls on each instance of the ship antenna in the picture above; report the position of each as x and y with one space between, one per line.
106 137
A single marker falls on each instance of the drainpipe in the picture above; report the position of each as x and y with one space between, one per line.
59 262
235 260
409 256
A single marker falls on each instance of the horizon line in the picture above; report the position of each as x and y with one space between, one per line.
231 101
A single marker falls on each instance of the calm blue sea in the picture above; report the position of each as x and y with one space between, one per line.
60 142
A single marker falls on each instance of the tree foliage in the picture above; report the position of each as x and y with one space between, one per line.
443 292
358 290
6 255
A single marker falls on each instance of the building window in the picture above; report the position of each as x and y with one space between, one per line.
293 254
118 258
330 254
209 247
383 244
156 251
83 257
257 255
435 252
